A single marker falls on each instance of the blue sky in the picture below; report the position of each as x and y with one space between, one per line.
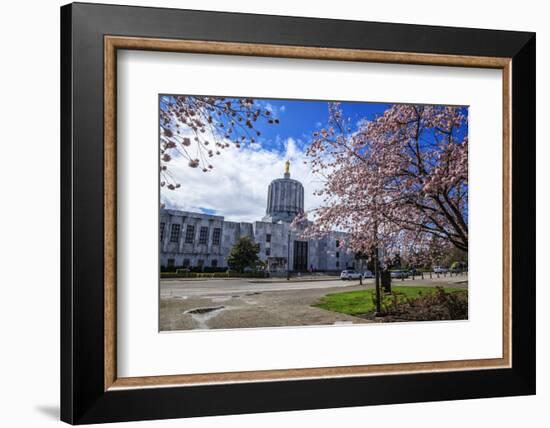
299 119
236 188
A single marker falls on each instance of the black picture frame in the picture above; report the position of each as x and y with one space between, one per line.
83 398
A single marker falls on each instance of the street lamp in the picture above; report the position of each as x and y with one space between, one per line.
288 258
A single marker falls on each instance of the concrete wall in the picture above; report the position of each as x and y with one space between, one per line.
323 254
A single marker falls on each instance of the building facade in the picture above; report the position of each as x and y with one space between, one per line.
197 240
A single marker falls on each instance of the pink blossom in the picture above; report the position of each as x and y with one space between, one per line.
400 183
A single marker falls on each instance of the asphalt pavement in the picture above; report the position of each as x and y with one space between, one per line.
243 303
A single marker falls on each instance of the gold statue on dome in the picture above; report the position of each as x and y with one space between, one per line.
287 167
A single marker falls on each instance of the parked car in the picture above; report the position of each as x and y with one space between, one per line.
458 267
350 274
440 269
368 274
399 274
414 272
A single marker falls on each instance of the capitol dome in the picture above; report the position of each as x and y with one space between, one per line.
285 198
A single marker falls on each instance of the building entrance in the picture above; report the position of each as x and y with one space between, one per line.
300 256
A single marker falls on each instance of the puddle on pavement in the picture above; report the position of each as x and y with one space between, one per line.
203 310
201 316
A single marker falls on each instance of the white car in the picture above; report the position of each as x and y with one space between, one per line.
368 274
350 274
440 269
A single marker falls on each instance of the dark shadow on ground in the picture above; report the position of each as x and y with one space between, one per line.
50 411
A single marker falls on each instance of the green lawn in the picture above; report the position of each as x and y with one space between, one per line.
361 301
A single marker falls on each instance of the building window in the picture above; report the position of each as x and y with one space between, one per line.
337 264
200 263
203 235
171 263
268 251
190 234
185 263
337 243
214 263
268 237
337 254
216 235
175 233
162 226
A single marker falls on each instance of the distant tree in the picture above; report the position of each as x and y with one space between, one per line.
396 262
244 254
455 257
433 251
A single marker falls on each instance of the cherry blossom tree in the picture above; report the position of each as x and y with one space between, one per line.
432 252
201 127
398 183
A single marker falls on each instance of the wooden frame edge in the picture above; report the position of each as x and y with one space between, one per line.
507 213
301 52
112 43
299 374
109 198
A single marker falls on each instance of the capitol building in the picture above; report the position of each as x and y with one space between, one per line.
197 240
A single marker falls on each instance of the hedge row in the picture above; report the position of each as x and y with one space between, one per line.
212 275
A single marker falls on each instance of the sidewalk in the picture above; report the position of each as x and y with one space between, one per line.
305 278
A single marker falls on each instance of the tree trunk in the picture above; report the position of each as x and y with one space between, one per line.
377 282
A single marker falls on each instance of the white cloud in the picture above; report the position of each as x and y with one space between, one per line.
237 186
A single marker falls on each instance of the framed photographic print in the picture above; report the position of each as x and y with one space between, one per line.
266 213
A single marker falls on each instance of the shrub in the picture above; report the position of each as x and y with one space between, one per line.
214 269
437 305
228 274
